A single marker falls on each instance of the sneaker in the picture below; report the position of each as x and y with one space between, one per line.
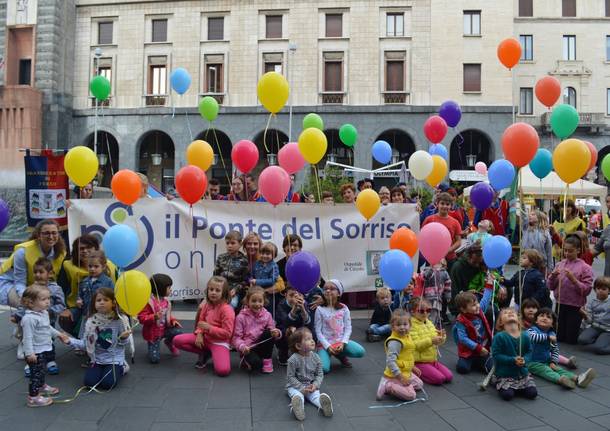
20 354
566 382
39 401
345 362
298 407
48 390
267 366
201 362
326 405
381 389
126 367
52 368
174 351
585 378
572 363
26 371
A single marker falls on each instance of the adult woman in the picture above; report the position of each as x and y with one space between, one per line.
251 245
384 195
571 224
85 192
603 246
238 190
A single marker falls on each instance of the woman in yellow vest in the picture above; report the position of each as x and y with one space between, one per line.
17 272
571 224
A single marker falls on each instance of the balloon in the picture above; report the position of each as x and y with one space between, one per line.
606 166
435 129
571 160
451 112
564 120
180 80
348 135
481 196
501 174
290 158
439 150
191 183
368 203
420 164
208 108
404 239
244 155
313 120
303 271
439 170
312 145
542 164
481 168
382 152
496 251
520 142
434 242
273 90
509 52
396 269
132 292
121 245
126 186
100 87
81 165
5 214
593 152
274 184
199 153
548 90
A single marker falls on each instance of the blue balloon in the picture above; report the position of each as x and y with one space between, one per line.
121 244
439 150
542 163
396 269
382 152
180 80
496 251
501 174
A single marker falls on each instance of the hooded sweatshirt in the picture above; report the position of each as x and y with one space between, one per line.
249 326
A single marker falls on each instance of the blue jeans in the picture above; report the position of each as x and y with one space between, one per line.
104 376
377 329
351 350
481 363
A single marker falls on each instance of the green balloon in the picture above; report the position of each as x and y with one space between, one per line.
100 87
564 120
313 120
348 135
606 166
208 108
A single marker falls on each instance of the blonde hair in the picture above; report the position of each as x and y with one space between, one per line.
271 248
504 312
398 314
32 293
543 220
383 291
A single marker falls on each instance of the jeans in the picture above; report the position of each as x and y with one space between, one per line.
313 397
377 329
38 372
481 363
105 376
351 350
596 340
154 347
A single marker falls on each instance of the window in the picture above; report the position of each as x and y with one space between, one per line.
213 66
569 47
568 7
472 77
395 24
527 51
103 67
569 96
526 8
333 77
273 62
104 33
472 22
334 25
526 101
25 71
159 30
157 80
607 48
273 26
608 8
216 28
395 77
607 101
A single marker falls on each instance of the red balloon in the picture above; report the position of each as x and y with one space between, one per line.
548 90
126 186
244 155
404 239
435 129
509 52
593 152
520 142
274 184
191 183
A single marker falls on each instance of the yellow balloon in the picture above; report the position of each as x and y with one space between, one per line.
200 154
368 203
81 165
312 145
439 170
273 90
132 291
571 160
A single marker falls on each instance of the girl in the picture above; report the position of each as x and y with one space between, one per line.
333 326
157 320
571 224
305 375
426 338
585 252
436 290
530 278
98 269
399 377
266 275
535 235
213 328
572 281
509 347
255 332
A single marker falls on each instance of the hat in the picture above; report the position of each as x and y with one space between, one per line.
338 285
443 187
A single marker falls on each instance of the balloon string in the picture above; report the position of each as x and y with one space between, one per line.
222 159
194 249
460 141
265 133
563 243
315 168
188 124
520 245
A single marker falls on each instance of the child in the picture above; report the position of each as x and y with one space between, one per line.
532 279
157 320
233 265
213 328
571 280
266 274
535 235
254 332
380 320
482 234
509 347
292 313
597 317
427 339
437 290
96 264
304 375
334 328
544 357
327 197
585 248
37 343
401 298
399 377
445 203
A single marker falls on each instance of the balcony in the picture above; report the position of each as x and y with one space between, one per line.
332 97
594 121
105 103
218 96
395 97
155 99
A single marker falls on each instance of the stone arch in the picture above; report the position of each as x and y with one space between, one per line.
600 156
469 143
402 147
273 140
222 169
155 159
107 153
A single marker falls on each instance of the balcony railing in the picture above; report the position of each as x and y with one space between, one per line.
595 121
218 96
102 103
332 97
395 97
155 99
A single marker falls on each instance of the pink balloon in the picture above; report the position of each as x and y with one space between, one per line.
290 158
481 168
434 242
274 184
593 152
435 129
244 155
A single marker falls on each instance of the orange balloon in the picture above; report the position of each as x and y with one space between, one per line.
593 152
439 170
404 239
548 90
126 186
509 52
520 142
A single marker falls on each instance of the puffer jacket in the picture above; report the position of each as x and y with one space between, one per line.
422 334
249 326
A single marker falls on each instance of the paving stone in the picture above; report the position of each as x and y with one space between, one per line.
179 426
376 424
440 398
182 405
555 415
603 420
230 391
574 402
128 419
504 413
354 401
281 426
62 424
227 419
464 419
419 417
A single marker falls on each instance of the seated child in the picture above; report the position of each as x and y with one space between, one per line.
233 266
380 320
401 298
596 336
292 313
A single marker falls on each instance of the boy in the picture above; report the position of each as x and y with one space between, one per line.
291 314
482 234
597 319
327 197
380 320
444 203
233 265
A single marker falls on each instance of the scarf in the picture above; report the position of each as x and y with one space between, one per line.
93 326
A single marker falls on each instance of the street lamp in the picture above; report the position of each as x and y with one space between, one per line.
97 53
470 160
102 158
292 48
272 159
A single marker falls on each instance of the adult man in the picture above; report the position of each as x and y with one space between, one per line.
214 190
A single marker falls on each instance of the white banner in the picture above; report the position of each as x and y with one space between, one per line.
184 243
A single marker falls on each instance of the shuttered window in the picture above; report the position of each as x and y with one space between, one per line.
333 71
526 8
472 77
159 30
273 27
334 25
568 8
395 71
216 28
104 33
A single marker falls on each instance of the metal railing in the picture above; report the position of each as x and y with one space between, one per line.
395 97
332 97
155 99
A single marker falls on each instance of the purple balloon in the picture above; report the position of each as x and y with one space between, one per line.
481 196
5 214
303 271
451 112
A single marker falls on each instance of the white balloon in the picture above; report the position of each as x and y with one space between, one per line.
481 168
420 164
